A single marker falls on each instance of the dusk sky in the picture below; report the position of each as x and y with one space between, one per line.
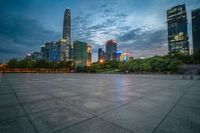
138 26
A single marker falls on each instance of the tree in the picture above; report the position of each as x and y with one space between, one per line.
70 65
81 69
113 64
133 66
156 64
25 63
145 66
41 64
95 67
13 63
173 65
123 66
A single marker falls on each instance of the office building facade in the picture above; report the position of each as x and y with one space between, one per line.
177 29
45 51
64 54
101 55
54 52
196 30
111 48
82 54
36 56
89 55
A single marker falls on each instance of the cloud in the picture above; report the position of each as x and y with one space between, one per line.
162 50
19 34
131 35
146 42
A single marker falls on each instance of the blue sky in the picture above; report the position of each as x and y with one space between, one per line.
139 26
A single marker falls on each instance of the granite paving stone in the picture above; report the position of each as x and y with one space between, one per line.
140 116
55 119
94 125
17 125
8 100
44 105
11 112
98 103
181 120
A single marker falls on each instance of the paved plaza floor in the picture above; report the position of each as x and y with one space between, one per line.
98 103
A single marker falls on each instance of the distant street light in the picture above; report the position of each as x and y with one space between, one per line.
101 61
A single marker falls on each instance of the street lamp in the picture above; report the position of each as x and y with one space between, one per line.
101 61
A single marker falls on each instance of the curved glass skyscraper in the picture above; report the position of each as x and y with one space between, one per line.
67 34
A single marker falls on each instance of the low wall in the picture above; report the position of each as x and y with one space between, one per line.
34 71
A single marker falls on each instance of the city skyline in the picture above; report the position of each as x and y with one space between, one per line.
143 31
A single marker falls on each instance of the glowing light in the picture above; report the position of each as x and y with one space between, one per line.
28 54
101 61
119 52
126 53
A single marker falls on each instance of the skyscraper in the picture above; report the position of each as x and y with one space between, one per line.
45 50
196 30
82 54
177 29
67 26
89 57
111 48
64 54
101 55
36 56
54 52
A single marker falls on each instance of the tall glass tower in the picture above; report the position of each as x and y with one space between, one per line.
111 48
196 30
67 26
177 29
81 53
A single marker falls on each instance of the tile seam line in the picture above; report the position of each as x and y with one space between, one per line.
107 100
58 130
59 99
21 105
93 116
132 101
116 124
170 111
